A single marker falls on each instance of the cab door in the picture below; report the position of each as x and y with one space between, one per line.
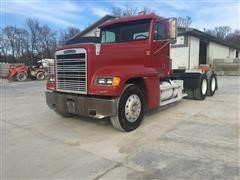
160 48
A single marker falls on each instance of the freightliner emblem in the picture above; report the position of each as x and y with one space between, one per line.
69 51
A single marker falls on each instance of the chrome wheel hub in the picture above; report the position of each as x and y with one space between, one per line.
133 108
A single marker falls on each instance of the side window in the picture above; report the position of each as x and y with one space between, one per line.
108 36
160 31
141 35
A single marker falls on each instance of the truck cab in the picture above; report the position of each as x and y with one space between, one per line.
125 74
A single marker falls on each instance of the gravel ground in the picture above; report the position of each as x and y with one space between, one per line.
187 140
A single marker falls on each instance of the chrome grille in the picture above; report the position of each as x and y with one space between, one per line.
71 71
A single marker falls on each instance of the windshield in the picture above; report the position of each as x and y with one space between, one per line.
130 31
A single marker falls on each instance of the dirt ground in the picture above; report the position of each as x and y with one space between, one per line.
187 140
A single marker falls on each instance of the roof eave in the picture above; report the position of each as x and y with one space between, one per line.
210 38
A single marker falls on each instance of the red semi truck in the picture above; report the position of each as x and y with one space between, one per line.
128 72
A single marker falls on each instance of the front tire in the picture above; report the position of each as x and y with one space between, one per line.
21 76
131 107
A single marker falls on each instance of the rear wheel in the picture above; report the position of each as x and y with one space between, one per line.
21 76
40 76
130 109
212 85
201 91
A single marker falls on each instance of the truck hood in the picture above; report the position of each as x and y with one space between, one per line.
80 45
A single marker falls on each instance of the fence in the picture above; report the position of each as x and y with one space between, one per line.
227 66
4 67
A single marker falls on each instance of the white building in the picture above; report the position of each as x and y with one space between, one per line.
193 47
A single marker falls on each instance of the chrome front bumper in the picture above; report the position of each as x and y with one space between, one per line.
81 105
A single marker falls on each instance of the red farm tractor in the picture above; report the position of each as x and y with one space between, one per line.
22 72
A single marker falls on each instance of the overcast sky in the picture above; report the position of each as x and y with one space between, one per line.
59 14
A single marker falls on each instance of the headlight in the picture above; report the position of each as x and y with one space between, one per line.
108 81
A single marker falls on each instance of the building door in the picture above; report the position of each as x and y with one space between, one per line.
203 52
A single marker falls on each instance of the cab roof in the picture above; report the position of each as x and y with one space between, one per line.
131 18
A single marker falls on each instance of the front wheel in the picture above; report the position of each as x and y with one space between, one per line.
130 109
40 75
21 76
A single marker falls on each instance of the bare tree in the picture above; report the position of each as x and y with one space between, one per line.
28 44
43 40
225 33
128 11
14 40
4 44
48 40
116 11
21 42
11 32
234 37
68 34
34 31
184 22
145 10
72 31
220 32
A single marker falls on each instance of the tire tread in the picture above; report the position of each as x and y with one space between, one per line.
119 120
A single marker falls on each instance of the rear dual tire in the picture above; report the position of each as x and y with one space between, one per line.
130 111
206 87
212 87
200 92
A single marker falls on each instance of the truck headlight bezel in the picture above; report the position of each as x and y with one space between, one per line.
107 81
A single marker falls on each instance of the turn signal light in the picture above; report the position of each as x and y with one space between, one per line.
116 81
